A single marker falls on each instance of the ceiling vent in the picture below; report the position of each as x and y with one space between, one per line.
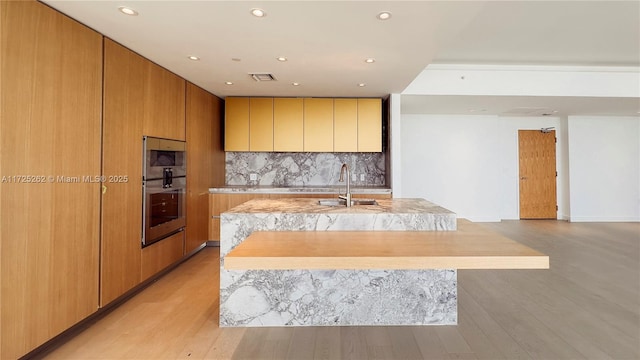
525 111
263 77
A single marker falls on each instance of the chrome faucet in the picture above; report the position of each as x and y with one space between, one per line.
347 195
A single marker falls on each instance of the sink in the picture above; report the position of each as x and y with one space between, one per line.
341 202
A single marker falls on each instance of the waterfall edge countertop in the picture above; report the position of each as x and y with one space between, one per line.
329 189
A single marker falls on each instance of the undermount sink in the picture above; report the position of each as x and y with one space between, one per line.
341 202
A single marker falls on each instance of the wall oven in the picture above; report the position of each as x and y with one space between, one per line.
164 183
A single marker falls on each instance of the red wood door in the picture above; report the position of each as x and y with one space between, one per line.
537 154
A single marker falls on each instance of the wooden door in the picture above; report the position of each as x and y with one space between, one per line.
50 113
318 125
537 154
369 125
121 155
164 103
236 124
261 124
203 122
345 125
288 124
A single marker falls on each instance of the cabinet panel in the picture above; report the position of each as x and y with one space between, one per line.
164 103
161 254
203 123
370 125
288 124
122 155
318 125
261 124
345 125
50 113
236 133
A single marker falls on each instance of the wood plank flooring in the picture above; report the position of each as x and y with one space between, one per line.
586 306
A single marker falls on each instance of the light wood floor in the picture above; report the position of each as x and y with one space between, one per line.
586 306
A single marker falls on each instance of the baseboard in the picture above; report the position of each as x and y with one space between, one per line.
213 243
603 219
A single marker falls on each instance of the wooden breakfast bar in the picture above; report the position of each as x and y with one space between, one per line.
470 247
294 262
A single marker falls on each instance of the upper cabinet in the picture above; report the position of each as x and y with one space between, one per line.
236 124
369 125
288 124
309 124
261 124
318 125
164 103
345 125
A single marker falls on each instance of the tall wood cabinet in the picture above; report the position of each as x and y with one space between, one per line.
124 79
49 140
204 156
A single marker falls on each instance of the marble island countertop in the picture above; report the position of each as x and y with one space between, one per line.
311 206
327 189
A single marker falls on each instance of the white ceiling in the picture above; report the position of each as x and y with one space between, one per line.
326 42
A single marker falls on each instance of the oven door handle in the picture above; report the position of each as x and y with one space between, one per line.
167 178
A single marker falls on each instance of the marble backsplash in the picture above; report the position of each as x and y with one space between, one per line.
303 169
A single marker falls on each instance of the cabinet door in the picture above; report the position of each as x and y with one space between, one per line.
288 124
369 125
261 124
236 124
345 125
50 113
121 155
318 125
164 103
203 120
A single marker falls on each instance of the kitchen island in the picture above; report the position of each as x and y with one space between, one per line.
308 297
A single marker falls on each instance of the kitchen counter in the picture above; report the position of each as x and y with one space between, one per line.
330 189
334 297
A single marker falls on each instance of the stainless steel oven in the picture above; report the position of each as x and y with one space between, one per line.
164 187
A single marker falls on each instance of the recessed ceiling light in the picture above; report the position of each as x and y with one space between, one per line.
228 83
295 84
258 12
281 58
362 84
384 15
194 58
127 11
370 60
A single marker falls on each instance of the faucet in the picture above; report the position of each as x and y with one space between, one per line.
347 195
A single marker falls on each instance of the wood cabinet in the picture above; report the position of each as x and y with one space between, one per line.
50 114
345 125
124 78
163 103
288 124
236 124
310 124
369 125
161 254
261 124
205 159
318 125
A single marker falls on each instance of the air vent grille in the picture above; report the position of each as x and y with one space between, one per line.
263 77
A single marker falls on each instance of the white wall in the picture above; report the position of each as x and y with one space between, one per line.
469 163
605 168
